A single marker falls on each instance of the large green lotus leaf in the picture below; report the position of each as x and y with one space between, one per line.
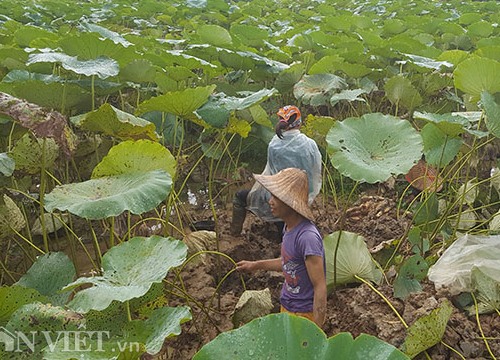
27 33
219 107
287 337
482 29
427 62
349 95
114 122
58 96
475 75
7 164
439 148
214 35
427 331
13 297
162 324
29 152
101 67
286 80
106 33
139 71
129 271
49 274
90 46
11 218
317 89
260 116
180 73
413 270
250 35
401 91
453 56
353 259
111 195
451 125
135 156
492 110
492 52
327 64
374 147
181 103
236 61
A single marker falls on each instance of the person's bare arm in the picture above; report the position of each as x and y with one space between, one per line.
314 265
268 264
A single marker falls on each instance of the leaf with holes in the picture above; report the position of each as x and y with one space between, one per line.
413 270
427 331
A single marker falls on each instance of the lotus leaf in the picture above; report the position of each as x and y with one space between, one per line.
487 292
353 259
349 95
427 62
214 35
401 91
283 336
44 124
439 148
492 110
162 324
218 109
181 103
449 124
11 217
473 76
114 122
129 271
317 89
111 195
374 147
52 223
413 270
13 298
135 156
106 33
25 35
102 67
92 46
32 154
7 164
49 274
427 331
139 71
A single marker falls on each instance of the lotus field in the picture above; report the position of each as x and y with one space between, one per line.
113 112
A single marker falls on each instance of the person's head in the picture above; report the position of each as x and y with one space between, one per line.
291 187
289 117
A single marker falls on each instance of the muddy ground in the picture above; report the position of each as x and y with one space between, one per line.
356 308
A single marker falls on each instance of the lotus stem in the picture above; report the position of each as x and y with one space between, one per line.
476 310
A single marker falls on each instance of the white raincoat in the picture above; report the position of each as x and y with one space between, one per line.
294 150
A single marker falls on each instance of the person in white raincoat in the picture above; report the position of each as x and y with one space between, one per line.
288 148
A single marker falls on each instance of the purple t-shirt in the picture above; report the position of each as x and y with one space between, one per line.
297 293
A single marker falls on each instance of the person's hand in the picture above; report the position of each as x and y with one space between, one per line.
247 266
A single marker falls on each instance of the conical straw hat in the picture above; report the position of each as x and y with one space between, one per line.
290 186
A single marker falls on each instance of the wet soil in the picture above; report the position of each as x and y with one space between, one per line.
355 308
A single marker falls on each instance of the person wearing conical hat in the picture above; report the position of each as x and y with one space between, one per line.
302 259
289 147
